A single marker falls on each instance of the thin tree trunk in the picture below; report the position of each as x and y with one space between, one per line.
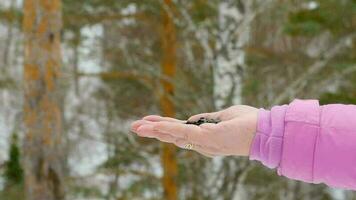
8 42
168 68
42 111
77 40
231 56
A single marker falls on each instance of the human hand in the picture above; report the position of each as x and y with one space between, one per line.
233 135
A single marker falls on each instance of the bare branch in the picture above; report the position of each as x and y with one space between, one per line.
295 87
335 77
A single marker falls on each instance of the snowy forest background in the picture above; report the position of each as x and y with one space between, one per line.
123 59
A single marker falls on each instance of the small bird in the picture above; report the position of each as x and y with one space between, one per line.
203 120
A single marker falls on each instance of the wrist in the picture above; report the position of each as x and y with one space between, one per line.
252 133
267 143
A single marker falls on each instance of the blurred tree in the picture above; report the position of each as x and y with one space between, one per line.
168 69
42 27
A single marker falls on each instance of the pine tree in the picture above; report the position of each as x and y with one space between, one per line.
13 173
13 169
43 155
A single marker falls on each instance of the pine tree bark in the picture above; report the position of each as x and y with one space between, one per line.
42 25
168 68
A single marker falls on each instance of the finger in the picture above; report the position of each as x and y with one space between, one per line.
145 130
213 115
164 137
190 133
136 124
149 131
157 118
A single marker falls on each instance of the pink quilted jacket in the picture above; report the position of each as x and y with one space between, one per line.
309 142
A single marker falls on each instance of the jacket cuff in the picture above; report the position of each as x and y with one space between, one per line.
302 127
267 144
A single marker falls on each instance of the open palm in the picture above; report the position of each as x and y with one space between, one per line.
232 136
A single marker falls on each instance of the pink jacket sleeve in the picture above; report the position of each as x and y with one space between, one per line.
308 142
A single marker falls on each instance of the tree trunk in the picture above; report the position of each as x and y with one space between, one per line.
42 112
168 68
8 42
234 35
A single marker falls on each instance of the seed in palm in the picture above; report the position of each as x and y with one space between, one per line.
203 120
